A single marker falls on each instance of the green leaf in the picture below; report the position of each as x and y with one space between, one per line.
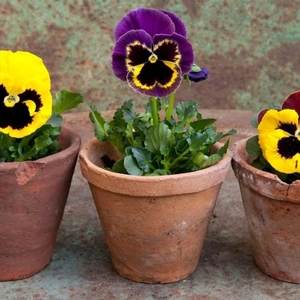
222 151
258 164
198 159
178 128
99 123
143 158
55 120
158 172
42 142
181 146
122 117
230 132
254 120
131 166
211 160
253 147
165 103
164 150
129 130
196 141
186 110
202 123
118 167
159 135
65 100
128 111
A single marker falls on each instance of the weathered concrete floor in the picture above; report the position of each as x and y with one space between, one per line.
81 268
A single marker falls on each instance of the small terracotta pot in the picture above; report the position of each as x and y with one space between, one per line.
154 225
32 200
272 209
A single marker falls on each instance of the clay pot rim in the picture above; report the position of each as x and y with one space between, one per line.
236 156
84 150
184 183
283 191
70 144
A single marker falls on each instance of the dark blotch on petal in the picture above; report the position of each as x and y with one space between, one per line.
288 147
120 58
156 90
288 127
184 48
198 76
17 116
3 93
4 116
157 72
167 51
32 95
138 55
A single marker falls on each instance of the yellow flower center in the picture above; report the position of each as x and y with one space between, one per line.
153 58
11 100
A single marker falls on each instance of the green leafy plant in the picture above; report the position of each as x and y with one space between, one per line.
179 144
154 60
43 141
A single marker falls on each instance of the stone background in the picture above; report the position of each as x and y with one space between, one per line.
251 47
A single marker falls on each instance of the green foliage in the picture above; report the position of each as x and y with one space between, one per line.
43 141
65 100
259 162
179 144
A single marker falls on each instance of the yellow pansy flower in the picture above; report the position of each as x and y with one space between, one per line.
278 135
25 98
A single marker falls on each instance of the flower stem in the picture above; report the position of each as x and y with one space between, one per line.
174 162
170 107
154 111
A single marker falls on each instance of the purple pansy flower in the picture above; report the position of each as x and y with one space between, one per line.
152 52
200 75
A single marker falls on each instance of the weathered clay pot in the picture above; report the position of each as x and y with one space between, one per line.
33 195
154 225
272 209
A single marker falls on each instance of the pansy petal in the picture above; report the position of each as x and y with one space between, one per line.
133 48
281 151
179 25
277 136
292 102
20 66
151 20
286 120
158 79
184 48
25 98
261 114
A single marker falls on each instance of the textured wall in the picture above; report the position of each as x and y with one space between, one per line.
251 47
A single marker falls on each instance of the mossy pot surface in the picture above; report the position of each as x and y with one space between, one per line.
32 200
154 225
272 209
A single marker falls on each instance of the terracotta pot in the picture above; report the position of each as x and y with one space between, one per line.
154 225
272 209
32 200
